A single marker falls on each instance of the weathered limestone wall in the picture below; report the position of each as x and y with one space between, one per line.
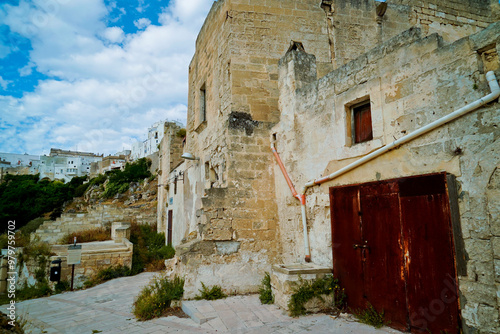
228 205
410 81
355 27
261 32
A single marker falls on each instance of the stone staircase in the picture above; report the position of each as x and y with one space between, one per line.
52 231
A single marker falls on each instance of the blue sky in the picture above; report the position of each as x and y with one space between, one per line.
92 75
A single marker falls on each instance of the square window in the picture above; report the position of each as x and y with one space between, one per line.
361 122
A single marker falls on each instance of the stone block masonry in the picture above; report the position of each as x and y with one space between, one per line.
96 217
95 256
410 81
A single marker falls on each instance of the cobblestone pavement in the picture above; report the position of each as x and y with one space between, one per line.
108 308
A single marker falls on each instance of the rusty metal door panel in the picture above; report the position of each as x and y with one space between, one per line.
384 277
431 284
346 231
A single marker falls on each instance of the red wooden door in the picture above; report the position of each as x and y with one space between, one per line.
384 279
427 229
346 231
393 248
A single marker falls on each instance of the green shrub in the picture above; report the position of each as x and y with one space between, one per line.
150 250
98 180
119 180
56 213
32 225
62 286
265 291
40 289
33 250
81 189
107 274
213 293
5 325
114 188
26 197
370 316
308 290
155 298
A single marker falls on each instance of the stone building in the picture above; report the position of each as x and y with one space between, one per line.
64 165
328 83
109 163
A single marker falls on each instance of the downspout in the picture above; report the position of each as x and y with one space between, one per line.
301 198
495 93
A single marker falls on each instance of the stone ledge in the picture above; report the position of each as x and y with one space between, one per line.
299 268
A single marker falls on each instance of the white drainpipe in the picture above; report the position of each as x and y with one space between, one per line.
495 93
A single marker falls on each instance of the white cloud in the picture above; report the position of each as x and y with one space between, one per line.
142 23
4 83
114 34
26 70
141 7
105 95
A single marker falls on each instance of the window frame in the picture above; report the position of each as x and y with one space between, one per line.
359 108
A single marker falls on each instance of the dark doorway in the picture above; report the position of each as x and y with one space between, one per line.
169 227
393 248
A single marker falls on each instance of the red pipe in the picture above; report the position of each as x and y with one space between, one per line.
302 198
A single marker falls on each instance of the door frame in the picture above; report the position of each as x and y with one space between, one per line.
457 243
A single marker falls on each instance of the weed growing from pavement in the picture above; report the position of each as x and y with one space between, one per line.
215 292
307 290
265 292
370 316
157 297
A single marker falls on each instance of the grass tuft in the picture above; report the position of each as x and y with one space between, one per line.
370 316
213 293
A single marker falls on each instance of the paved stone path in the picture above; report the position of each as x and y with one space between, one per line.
108 308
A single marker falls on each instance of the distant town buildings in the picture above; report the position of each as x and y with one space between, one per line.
18 164
65 165
59 164
111 162
150 146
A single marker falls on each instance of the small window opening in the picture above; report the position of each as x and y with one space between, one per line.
361 122
207 171
203 113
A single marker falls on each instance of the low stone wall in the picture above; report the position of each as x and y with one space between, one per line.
95 256
100 216
284 278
